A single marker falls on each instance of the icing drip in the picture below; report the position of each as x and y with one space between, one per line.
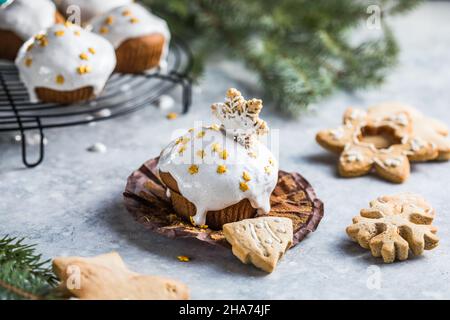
91 8
65 58
128 22
210 189
27 17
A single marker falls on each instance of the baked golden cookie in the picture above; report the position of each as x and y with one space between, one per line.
393 225
385 139
106 277
261 241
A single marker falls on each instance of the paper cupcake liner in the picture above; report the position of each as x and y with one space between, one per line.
64 97
214 219
140 54
146 199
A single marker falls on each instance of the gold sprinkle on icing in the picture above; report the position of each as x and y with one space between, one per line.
59 33
223 154
193 169
191 130
109 20
68 24
203 226
77 33
191 218
268 169
215 147
42 39
243 186
182 149
84 69
134 20
201 134
221 169
30 47
104 30
92 50
246 176
201 153
126 13
253 154
172 115
84 56
28 62
60 79
271 162
182 140
215 127
183 258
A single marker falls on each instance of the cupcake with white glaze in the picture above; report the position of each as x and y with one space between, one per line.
89 9
221 174
65 64
141 39
21 20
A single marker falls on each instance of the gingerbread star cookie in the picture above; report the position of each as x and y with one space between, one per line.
106 277
394 225
384 139
260 241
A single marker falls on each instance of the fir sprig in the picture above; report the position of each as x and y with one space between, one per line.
23 273
301 49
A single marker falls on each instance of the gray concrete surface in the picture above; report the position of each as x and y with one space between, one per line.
72 204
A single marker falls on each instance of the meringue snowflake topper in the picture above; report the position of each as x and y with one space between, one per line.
240 117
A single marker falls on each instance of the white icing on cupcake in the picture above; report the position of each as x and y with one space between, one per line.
129 22
213 171
27 17
91 8
65 58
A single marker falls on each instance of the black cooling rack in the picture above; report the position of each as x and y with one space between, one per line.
123 94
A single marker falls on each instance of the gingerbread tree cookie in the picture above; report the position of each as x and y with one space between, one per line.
394 225
260 241
385 139
106 277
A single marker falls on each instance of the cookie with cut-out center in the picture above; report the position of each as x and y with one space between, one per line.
384 139
260 241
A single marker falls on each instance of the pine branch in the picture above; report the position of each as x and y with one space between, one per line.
23 274
301 49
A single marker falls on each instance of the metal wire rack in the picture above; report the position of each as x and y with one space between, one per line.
123 94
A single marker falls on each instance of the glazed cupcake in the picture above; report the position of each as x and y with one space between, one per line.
65 64
89 8
21 20
221 174
140 38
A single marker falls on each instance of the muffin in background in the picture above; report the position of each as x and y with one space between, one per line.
21 20
65 64
89 8
141 39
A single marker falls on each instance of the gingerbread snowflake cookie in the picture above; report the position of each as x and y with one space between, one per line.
384 139
394 225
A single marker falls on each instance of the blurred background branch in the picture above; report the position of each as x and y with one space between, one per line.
301 50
